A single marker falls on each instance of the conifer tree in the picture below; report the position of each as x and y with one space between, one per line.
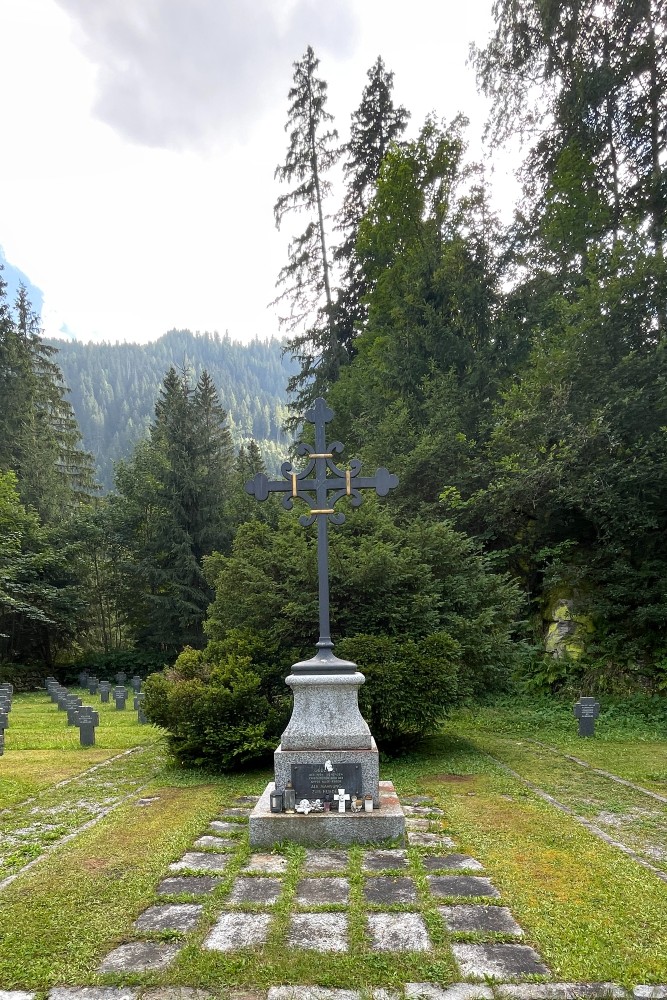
306 278
376 124
172 511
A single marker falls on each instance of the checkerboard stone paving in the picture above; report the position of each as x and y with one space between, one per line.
468 905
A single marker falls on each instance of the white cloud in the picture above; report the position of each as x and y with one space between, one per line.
182 75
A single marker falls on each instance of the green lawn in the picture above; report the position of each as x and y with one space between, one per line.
591 912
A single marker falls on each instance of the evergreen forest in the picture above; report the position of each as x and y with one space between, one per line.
113 388
512 375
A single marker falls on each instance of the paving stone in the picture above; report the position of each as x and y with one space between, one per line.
321 891
17 995
451 862
311 993
217 843
500 961
196 885
417 838
325 861
398 932
318 931
256 890
269 864
645 992
175 993
457 991
418 824
378 993
479 918
390 890
82 993
200 861
376 861
237 811
559 991
140 956
225 829
238 930
244 994
170 917
461 885
250 800
419 800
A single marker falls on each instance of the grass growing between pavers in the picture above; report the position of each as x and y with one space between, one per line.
591 913
50 785
61 918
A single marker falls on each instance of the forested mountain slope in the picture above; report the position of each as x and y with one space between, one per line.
114 388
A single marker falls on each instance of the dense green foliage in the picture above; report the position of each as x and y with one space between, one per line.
213 707
515 378
45 481
410 686
114 387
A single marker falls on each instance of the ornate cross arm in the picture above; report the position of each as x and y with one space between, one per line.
321 484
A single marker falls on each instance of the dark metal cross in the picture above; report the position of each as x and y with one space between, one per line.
326 477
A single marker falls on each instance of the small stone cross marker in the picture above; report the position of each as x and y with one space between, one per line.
341 798
329 484
87 719
120 696
587 711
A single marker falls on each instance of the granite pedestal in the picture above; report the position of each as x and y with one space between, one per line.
328 828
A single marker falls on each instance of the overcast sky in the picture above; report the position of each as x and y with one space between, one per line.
141 137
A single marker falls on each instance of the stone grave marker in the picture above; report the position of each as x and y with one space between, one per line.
120 697
53 690
2 741
586 710
83 678
135 683
105 689
121 677
73 706
7 688
139 699
49 680
92 685
63 695
87 720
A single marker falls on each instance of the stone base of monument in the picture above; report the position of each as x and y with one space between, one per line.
329 828
314 773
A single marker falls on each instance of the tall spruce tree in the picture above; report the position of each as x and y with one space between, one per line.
172 511
44 605
306 278
376 124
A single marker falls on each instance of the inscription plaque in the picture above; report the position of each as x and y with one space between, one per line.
317 781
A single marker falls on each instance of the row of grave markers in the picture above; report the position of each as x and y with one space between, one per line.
93 684
6 695
84 716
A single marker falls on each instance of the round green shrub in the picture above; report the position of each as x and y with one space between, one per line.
409 685
214 711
